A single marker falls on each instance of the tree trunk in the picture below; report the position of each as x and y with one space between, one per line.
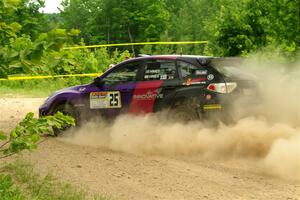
131 40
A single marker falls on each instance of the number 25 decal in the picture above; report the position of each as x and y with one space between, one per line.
114 99
102 100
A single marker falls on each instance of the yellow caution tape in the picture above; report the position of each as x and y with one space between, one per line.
13 78
136 44
96 46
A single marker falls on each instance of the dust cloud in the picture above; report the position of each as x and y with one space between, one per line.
268 131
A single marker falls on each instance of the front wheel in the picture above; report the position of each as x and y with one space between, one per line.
69 110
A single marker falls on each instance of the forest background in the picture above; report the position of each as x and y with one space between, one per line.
34 43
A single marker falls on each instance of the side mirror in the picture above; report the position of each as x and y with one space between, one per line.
98 81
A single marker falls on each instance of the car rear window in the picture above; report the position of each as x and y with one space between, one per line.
188 70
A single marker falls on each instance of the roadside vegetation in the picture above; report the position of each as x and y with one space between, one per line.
18 180
33 43
27 134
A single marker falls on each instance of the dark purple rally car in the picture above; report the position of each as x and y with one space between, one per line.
192 86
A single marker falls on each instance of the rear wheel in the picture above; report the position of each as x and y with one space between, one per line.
185 111
66 109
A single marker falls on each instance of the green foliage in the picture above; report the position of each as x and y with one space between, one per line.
248 26
7 189
37 187
44 53
27 133
24 12
77 61
33 43
116 21
24 56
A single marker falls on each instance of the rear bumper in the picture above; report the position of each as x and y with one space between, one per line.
226 107
209 107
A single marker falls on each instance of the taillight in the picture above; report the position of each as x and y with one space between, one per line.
222 87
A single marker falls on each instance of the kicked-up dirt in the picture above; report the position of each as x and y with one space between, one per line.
144 158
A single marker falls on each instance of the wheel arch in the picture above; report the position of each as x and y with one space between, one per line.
59 103
181 95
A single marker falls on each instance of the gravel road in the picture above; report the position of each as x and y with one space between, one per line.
126 173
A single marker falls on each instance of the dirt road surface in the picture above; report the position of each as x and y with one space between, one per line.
123 175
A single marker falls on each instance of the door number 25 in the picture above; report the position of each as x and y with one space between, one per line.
114 99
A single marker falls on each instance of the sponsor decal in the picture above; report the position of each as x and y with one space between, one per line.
153 76
157 77
201 72
144 96
163 77
210 77
149 95
195 81
109 99
152 71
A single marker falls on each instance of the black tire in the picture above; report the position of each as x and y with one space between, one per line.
185 111
66 109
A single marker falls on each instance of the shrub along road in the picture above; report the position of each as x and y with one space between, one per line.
124 175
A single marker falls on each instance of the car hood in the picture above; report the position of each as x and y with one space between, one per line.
74 89
77 88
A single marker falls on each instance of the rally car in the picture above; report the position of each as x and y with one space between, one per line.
191 86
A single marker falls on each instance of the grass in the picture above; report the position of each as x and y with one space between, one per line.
38 88
21 182
8 190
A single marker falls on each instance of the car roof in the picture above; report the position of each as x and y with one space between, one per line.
193 59
172 56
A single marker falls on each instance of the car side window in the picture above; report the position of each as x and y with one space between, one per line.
160 70
123 74
188 70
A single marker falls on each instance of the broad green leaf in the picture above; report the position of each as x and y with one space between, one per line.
13 134
29 116
35 138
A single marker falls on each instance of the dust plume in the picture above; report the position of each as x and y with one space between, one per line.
268 131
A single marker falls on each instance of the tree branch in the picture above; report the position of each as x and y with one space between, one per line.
5 143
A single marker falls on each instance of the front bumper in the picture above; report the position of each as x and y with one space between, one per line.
43 110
